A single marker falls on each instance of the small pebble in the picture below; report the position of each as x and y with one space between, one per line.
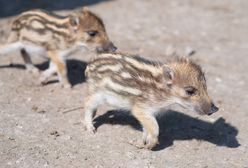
189 51
55 133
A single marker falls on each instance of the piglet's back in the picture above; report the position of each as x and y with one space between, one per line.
126 72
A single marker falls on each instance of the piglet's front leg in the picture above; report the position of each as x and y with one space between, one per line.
61 68
150 126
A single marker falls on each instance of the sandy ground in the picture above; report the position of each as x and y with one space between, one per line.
41 126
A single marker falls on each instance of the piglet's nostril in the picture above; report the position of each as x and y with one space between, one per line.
214 108
111 47
107 47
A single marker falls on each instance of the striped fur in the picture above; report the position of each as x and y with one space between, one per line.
143 87
122 70
38 32
57 32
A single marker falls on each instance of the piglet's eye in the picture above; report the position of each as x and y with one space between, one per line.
92 33
190 90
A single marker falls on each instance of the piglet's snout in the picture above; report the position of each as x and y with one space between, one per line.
107 47
213 109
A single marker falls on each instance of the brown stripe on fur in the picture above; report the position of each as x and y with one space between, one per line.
137 83
102 62
31 41
122 93
135 71
26 20
29 16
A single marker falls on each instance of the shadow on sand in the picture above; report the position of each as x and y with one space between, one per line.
177 126
14 7
75 68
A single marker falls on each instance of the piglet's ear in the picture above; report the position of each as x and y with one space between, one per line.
74 22
168 74
184 59
85 9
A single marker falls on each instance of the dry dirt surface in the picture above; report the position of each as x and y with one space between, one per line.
42 126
